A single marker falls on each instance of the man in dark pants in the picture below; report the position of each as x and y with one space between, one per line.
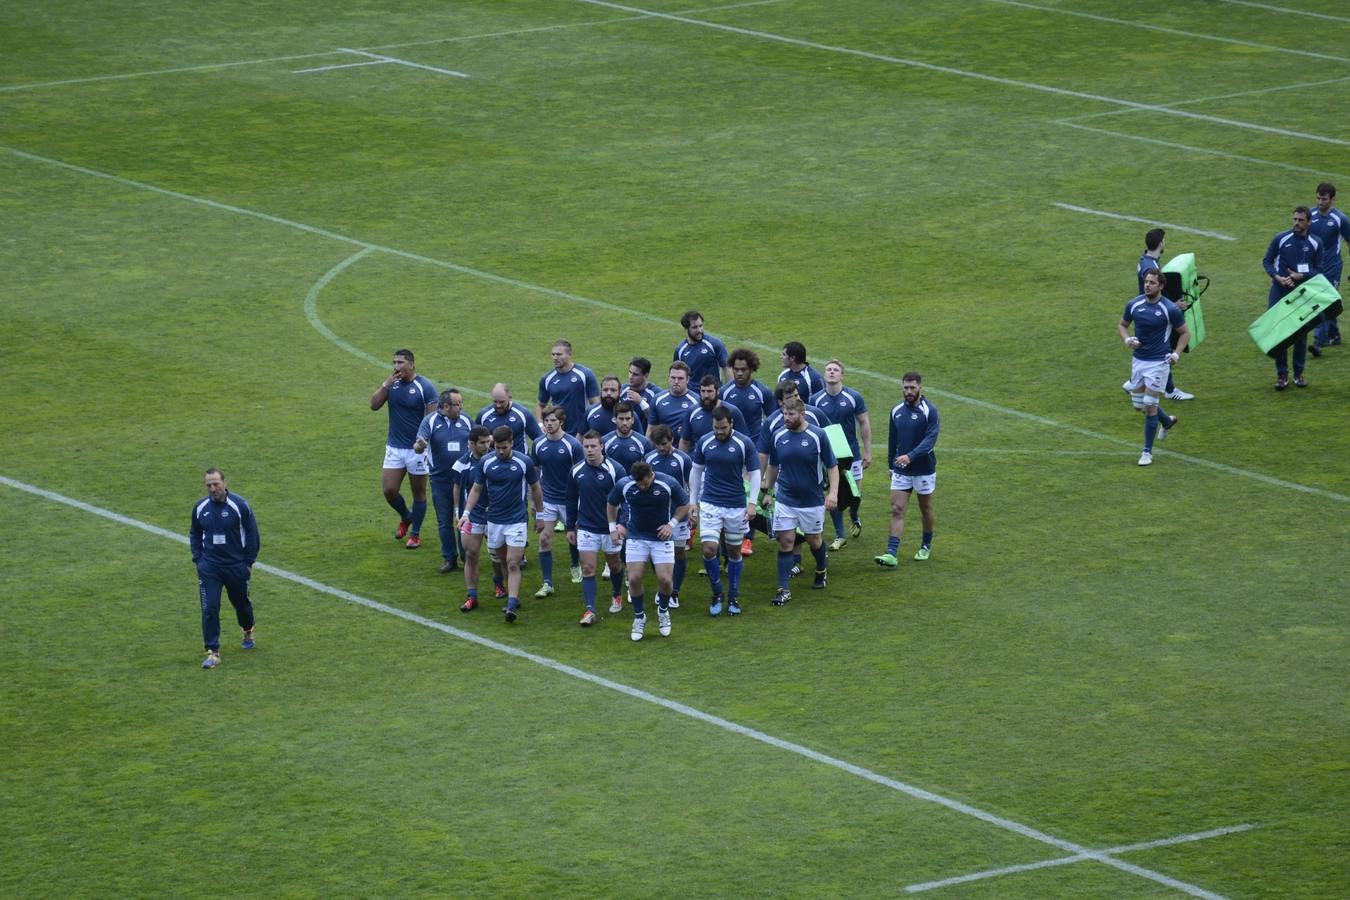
1293 257
224 541
445 436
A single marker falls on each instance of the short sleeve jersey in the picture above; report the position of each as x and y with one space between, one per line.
648 508
506 482
842 409
673 412
724 464
701 423
676 464
572 390
407 403
588 493
464 469
1330 228
519 419
555 459
1153 326
705 357
755 401
802 458
626 450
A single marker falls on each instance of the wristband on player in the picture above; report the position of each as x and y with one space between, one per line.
613 527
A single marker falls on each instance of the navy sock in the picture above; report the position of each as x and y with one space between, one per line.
734 568
678 577
419 512
784 568
546 565
588 591
822 555
400 506
837 519
616 579
714 568
574 555
893 545
637 606
1150 431
928 538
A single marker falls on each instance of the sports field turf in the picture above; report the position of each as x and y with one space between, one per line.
220 220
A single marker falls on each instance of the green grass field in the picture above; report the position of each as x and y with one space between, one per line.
1108 681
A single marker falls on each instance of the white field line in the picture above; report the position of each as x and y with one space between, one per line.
649 317
1034 451
1066 860
966 73
369 62
1206 151
404 62
909 790
312 316
275 59
1168 225
1285 9
1176 31
1194 101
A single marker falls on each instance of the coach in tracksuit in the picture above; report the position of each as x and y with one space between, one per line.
224 541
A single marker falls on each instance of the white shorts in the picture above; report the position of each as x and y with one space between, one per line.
681 534
1151 373
416 463
595 542
477 527
810 519
640 550
713 519
512 534
923 484
857 470
552 512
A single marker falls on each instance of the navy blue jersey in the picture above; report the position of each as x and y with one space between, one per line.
724 464
802 458
1153 326
774 422
755 401
1330 228
588 493
627 450
223 534
842 409
555 459
809 381
673 412
408 401
464 468
506 482
1289 253
705 357
649 508
676 464
1147 264
447 439
572 391
914 432
701 423
519 419
601 420
642 408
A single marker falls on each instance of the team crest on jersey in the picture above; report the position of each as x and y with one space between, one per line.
913 416
224 513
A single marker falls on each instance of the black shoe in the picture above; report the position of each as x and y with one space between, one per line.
782 596
447 567
1335 341
1281 382
818 583
1315 350
1299 380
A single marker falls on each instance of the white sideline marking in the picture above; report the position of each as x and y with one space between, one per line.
275 59
1168 225
369 62
1303 85
403 62
909 790
1032 451
966 73
1066 860
312 315
614 307
1207 151
1190 34
1285 9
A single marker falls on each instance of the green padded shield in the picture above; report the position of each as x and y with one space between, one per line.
1182 282
1294 314
839 444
